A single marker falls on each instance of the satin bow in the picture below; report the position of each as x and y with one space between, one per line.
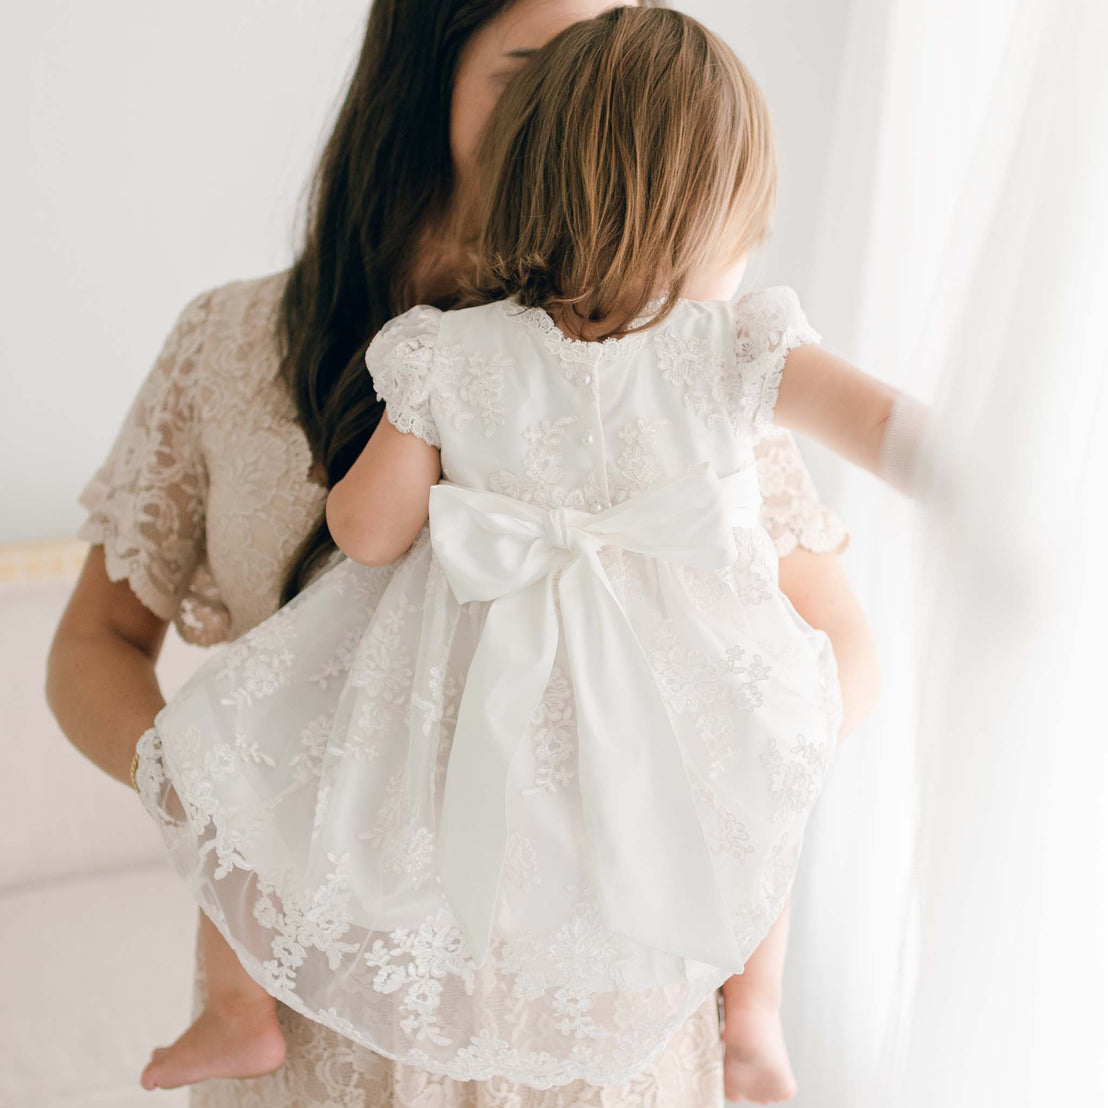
653 873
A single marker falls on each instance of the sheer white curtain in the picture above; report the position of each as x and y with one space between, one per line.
951 914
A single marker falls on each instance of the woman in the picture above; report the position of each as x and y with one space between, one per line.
209 508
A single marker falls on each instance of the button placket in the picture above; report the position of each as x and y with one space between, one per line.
591 381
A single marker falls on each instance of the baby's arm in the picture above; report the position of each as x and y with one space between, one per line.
381 504
376 510
861 418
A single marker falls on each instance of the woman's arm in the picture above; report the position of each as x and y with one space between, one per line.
146 529
100 681
820 591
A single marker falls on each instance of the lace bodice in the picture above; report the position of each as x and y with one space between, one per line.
211 462
518 408
199 504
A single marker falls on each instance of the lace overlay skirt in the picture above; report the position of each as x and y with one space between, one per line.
323 1069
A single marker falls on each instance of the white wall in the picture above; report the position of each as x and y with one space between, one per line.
152 150
156 149
793 49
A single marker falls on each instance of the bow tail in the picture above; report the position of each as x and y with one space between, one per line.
654 876
508 673
439 623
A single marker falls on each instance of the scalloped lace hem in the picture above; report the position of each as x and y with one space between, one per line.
97 531
309 936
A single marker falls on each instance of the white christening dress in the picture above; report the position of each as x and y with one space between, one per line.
520 812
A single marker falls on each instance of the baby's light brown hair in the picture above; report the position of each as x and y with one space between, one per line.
633 148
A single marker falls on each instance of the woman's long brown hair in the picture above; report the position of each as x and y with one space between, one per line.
385 175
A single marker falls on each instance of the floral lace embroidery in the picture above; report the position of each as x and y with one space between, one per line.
356 744
638 458
470 389
418 963
337 666
553 736
754 919
792 511
725 832
408 846
688 365
709 588
399 360
209 462
771 324
543 460
316 922
566 961
382 664
452 696
520 867
308 762
794 781
211 456
721 737
146 500
258 665
242 424
753 575
691 681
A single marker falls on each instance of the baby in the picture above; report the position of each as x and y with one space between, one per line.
627 171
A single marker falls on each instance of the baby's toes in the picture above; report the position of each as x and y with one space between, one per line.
148 1080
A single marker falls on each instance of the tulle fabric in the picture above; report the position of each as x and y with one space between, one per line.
280 795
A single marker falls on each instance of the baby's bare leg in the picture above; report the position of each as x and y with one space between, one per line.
236 1035
228 983
755 1062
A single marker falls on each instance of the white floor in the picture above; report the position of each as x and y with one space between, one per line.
95 972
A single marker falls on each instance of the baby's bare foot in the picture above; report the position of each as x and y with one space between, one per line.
243 1040
755 1061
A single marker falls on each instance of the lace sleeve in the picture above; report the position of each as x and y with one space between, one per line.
146 501
768 324
400 360
792 511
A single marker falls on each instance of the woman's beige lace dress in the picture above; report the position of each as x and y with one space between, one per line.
205 494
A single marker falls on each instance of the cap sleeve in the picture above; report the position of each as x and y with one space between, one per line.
146 501
768 324
400 360
792 511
